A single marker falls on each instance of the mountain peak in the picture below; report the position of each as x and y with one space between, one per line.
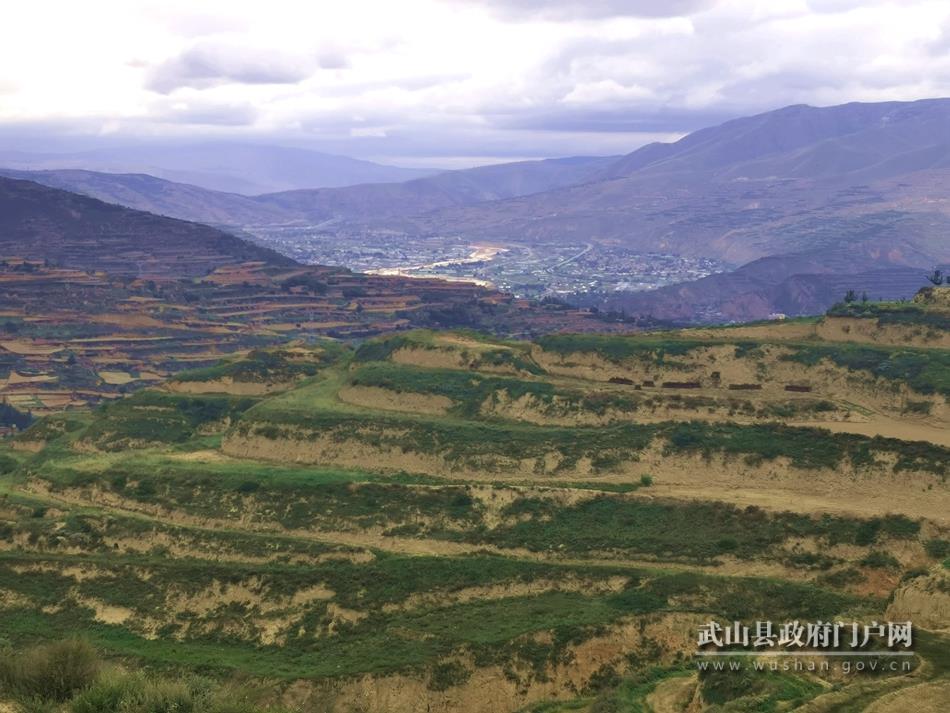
792 128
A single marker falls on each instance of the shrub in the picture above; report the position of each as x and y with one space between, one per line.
106 695
10 416
604 678
160 697
381 349
925 371
841 578
900 526
866 533
918 407
721 687
811 560
914 574
727 544
51 672
447 675
146 488
8 464
137 693
646 480
880 560
897 526
37 705
938 549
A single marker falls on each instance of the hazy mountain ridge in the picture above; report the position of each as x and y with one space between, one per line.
763 170
863 181
445 190
886 255
155 195
866 181
775 143
230 167
369 202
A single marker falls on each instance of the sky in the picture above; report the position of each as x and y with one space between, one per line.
447 83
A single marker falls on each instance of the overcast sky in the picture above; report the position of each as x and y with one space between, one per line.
449 82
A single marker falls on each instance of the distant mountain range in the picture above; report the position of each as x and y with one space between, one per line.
747 189
801 197
156 195
375 204
803 200
231 167
353 205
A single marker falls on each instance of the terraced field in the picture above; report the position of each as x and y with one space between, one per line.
446 521
71 338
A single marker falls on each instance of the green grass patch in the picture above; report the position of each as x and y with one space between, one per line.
898 313
488 352
926 371
268 365
413 639
469 391
697 532
618 348
804 447
156 417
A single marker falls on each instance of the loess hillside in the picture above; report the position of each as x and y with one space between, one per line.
97 300
448 521
70 338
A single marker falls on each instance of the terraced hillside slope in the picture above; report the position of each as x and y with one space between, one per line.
446 521
74 337
96 300
77 232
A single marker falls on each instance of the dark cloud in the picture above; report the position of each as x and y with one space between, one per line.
591 9
205 66
500 136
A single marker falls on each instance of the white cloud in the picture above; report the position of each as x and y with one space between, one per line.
367 131
455 78
564 10
605 90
